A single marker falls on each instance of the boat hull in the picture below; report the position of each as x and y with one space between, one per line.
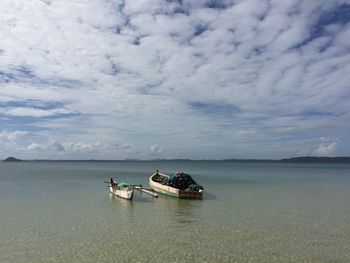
171 191
127 193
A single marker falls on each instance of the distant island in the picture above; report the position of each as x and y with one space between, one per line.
12 159
310 159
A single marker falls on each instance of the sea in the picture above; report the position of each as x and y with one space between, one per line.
250 212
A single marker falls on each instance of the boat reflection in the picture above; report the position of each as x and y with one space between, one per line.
125 207
182 211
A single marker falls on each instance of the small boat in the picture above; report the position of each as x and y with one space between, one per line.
178 185
121 189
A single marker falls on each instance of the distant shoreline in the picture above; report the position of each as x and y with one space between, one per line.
305 159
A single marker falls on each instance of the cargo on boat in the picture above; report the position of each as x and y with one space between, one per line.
179 185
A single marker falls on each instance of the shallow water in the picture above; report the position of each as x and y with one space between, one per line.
251 212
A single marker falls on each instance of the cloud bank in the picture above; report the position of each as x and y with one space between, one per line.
201 79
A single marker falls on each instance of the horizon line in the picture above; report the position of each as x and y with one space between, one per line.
291 159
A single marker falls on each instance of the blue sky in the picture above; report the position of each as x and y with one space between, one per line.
194 79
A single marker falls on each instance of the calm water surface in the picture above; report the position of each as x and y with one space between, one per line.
252 212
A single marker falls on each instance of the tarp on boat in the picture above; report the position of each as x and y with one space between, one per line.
121 184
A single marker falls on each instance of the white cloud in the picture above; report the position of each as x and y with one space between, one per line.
56 145
10 137
33 112
326 149
9 141
35 147
69 148
156 149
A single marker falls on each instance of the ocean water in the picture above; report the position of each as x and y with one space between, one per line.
251 212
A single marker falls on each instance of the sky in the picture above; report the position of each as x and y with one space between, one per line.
199 79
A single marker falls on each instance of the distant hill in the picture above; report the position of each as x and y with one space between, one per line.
12 159
310 159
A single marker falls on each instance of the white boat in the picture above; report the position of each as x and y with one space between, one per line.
122 190
178 185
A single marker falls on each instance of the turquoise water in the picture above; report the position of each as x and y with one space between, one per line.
251 212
